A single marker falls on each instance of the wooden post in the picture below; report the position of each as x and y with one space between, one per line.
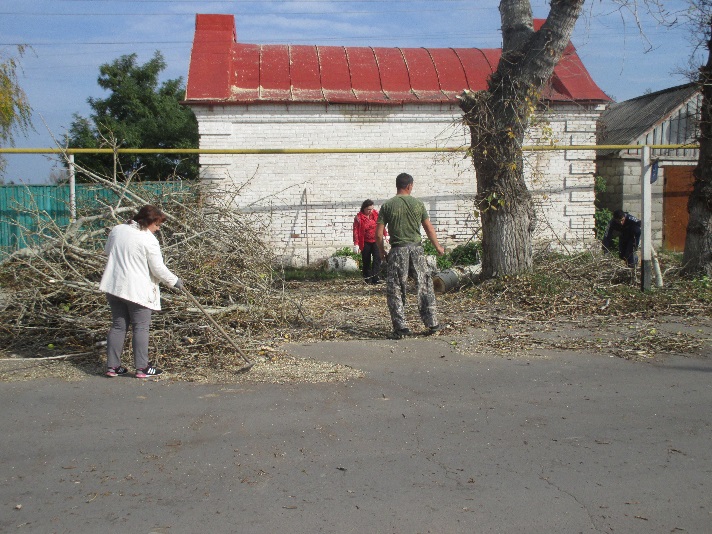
646 268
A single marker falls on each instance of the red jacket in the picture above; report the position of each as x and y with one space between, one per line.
365 228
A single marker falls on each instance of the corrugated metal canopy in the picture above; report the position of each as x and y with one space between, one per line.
624 122
225 71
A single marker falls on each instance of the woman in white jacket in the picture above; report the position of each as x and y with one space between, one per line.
133 270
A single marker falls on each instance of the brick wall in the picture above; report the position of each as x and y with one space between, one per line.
308 201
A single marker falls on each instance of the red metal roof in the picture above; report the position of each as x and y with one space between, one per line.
225 71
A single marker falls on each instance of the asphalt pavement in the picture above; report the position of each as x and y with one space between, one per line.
429 441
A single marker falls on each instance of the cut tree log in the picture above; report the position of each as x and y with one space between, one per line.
456 277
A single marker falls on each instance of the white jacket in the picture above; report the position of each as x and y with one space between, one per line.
135 266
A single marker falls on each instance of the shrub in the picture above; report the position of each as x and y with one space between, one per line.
467 254
602 216
443 262
349 253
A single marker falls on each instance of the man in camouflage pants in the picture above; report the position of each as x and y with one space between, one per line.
404 215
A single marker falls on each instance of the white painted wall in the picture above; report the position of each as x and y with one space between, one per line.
308 201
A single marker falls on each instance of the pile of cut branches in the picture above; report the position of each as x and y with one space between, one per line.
52 303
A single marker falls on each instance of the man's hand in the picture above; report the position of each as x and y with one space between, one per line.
380 231
430 232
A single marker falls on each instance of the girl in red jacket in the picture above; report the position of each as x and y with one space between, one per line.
365 240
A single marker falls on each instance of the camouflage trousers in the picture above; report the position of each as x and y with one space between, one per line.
403 261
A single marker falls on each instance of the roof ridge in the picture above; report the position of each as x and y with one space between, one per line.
658 93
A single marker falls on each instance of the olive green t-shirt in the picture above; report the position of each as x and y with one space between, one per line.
404 215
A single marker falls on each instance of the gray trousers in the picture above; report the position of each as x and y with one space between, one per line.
123 314
402 261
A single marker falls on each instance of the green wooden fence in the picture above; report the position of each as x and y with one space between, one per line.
24 208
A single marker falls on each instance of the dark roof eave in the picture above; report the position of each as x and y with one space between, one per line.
579 101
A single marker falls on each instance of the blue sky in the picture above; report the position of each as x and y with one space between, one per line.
70 39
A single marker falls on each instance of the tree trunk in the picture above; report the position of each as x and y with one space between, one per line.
697 258
498 119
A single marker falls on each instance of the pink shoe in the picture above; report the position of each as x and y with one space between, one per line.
116 371
148 372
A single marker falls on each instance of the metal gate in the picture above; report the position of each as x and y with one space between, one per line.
24 208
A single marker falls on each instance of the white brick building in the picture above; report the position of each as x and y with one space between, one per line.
276 97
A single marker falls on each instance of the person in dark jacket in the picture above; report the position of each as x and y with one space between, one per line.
627 228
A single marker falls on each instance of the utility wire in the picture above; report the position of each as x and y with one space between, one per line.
360 12
264 1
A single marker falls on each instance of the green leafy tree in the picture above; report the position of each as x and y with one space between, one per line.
139 113
15 110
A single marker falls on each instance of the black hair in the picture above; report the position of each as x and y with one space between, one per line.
366 203
403 180
618 215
